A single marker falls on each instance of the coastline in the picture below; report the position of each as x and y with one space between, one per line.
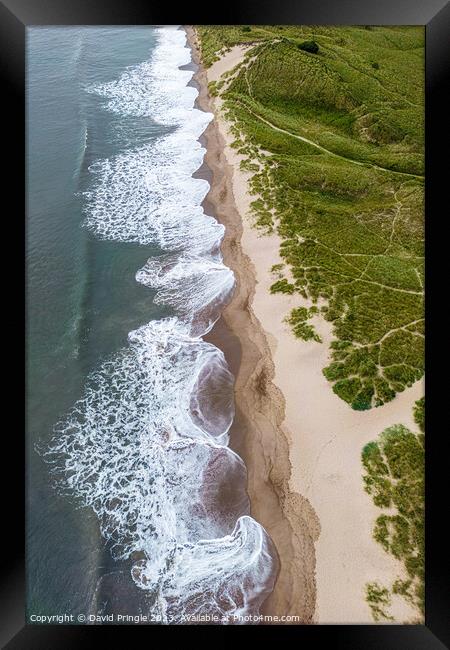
257 434
296 437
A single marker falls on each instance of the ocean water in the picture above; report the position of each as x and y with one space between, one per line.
136 504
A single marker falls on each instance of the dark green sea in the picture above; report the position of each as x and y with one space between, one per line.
83 298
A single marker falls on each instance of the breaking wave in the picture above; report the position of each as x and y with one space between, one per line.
146 446
197 287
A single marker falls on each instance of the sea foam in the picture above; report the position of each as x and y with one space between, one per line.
146 445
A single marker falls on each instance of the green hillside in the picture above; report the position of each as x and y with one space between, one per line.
330 121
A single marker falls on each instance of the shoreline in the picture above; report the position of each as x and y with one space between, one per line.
257 434
297 437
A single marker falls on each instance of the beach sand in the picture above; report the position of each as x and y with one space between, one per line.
301 444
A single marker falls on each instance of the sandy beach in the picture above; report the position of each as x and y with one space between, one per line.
300 442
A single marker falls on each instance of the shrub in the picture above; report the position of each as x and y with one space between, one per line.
347 389
363 399
309 46
213 89
419 413
302 329
379 599
282 286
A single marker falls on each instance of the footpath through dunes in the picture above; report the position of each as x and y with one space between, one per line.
327 151
313 455
257 433
336 158
146 447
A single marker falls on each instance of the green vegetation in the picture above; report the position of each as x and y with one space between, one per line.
394 477
309 46
298 319
379 600
282 286
419 413
334 142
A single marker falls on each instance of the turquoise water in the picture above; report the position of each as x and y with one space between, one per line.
83 298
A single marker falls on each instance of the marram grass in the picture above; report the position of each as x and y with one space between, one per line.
333 137
394 475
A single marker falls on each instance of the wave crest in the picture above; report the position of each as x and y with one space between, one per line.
197 287
146 445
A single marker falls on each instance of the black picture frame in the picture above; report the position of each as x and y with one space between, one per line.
15 17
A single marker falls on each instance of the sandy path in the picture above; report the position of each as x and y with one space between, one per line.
320 471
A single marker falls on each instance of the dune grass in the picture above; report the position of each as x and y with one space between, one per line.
333 138
394 477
